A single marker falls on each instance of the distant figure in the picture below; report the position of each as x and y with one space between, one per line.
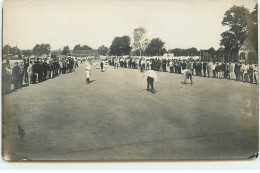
187 75
16 74
30 72
256 73
101 66
88 70
151 76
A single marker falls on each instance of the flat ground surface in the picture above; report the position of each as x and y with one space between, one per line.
114 118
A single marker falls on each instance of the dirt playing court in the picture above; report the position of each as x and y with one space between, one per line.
115 118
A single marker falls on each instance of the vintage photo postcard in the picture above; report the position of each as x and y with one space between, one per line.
129 80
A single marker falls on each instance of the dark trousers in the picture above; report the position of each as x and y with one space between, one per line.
241 76
164 68
237 75
214 73
16 83
250 78
40 74
150 83
21 79
44 74
246 77
171 69
204 72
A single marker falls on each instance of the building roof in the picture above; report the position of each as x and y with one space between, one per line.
247 46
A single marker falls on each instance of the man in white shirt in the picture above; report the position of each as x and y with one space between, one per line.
245 68
187 75
213 69
88 71
151 76
171 66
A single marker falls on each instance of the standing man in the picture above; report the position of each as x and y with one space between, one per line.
171 66
204 68
45 69
208 69
237 71
250 73
213 69
231 69
223 70
101 66
246 67
26 65
88 70
217 70
256 73
22 73
147 64
151 76
194 68
188 65
30 72
164 65
7 78
143 64
241 71
16 74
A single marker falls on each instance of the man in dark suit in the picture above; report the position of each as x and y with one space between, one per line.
16 74
101 66
237 71
45 69
164 65
204 68
199 68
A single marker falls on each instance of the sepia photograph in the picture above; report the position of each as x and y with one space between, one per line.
129 80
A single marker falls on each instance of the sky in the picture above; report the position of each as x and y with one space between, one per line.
179 23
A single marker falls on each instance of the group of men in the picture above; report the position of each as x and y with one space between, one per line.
28 72
142 64
222 70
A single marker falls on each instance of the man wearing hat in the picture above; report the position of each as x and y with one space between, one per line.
16 74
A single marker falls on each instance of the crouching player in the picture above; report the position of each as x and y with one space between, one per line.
187 75
151 76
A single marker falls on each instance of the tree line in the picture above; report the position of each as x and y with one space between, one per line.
241 23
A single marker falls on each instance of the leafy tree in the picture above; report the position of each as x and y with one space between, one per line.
253 30
26 52
11 50
191 51
177 51
185 52
40 49
77 47
212 51
156 47
56 52
84 47
102 50
120 46
65 50
139 42
238 20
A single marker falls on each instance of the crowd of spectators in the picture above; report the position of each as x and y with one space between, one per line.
28 72
222 70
